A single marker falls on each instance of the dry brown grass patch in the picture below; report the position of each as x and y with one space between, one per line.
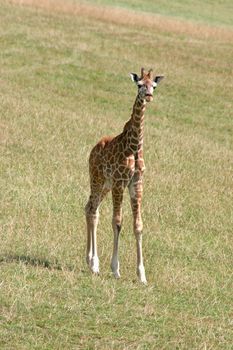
127 17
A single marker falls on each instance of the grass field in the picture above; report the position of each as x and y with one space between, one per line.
211 11
64 83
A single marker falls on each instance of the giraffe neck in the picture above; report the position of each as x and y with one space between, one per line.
135 126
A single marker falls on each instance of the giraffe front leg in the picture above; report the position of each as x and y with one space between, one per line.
135 190
117 198
92 218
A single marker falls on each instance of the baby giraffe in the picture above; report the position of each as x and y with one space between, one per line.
114 164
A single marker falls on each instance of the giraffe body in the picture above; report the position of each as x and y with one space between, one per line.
114 164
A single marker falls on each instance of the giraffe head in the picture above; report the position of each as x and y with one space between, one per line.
146 83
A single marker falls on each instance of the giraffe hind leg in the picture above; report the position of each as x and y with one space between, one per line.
135 191
92 218
117 197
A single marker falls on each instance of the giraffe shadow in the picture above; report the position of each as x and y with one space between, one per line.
35 261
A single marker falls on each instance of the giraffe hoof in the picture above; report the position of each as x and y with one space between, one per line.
115 267
95 271
117 274
95 265
143 281
141 275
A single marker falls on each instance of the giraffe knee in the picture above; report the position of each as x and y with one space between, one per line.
91 209
88 208
117 223
118 228
138 227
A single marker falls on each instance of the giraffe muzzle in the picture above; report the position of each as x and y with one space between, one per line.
149 97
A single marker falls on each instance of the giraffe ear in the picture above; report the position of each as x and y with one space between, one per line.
134 77
158 79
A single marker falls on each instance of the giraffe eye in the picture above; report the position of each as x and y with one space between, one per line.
154 85
140 85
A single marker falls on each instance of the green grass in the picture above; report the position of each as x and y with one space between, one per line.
64 84
213 12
